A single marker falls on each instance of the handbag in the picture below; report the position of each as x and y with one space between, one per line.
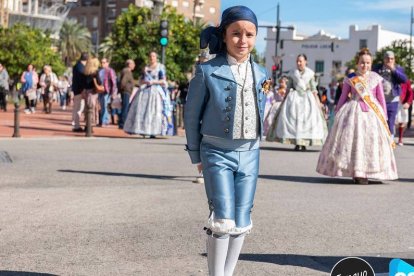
98 87
31 94
116 102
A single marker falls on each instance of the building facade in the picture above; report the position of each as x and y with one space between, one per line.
43 14
327 54
100 15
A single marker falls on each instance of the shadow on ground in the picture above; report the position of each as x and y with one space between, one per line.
138 175
288 149
409 180
315 180
23 273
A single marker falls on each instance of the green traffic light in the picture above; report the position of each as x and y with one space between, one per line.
163 41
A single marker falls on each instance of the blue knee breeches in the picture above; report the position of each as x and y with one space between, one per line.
230 181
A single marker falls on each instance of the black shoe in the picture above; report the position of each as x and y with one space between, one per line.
78 129
303 148
360 180
152 137
297 148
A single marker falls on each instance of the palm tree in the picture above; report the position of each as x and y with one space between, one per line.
106 48
74 39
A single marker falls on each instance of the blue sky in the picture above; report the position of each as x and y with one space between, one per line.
332 16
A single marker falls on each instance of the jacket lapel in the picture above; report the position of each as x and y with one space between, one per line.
258 75
224 70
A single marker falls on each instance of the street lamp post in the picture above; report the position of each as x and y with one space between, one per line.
277 29
411 39
158 5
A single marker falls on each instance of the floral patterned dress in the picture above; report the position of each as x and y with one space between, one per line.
358 144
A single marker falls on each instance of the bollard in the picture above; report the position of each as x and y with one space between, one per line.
88 130
16 133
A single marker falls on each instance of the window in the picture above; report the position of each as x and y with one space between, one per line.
174 3
95 22
83 21
212 10
336 67
90 3
186 4
111 13
94 37
363 43
319 66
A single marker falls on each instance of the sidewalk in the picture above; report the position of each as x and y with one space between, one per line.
56 124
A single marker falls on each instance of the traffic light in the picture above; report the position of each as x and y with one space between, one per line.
164 32
274 71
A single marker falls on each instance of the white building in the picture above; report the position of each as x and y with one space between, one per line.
42 14
327 54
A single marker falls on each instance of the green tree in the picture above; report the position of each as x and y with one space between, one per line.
106 48
401 50
22 45
74 39
135 34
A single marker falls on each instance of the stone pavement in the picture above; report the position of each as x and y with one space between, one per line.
99 206
72 205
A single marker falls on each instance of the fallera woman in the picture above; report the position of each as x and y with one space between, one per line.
359 144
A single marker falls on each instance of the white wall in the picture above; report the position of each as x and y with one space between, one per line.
317 48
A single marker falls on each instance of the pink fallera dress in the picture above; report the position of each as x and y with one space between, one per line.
358 144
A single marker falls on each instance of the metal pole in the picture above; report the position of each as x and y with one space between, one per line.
163 55
410 110
16 133
411 38
277 29
88 130
194 12
277 39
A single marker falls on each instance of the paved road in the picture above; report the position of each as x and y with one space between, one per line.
127 206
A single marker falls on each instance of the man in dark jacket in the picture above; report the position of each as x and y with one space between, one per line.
78 87
127 83
393 76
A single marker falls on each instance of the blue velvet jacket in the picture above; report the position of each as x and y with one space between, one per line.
211 102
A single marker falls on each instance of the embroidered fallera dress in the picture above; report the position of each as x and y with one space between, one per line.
150 109
358 144
299 120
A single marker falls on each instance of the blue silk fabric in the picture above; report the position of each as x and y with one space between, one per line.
230 179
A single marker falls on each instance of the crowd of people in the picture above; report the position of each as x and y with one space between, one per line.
142 105
355 121
139 106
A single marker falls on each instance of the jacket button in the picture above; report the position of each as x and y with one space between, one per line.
246 104
227 118
260 99
228 108
226 130
229 98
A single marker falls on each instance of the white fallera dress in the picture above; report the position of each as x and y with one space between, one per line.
299 120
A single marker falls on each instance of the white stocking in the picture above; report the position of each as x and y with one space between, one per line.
235 246
216 254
